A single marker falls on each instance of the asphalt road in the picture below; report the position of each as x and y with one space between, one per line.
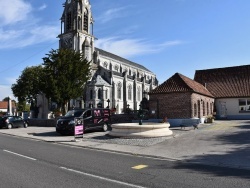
29 163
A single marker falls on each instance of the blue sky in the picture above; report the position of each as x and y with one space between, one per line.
166 36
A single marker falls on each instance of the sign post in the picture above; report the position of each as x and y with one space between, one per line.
78 128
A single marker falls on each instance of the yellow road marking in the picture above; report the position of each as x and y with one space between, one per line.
138 167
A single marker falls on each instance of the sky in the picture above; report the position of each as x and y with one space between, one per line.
165 36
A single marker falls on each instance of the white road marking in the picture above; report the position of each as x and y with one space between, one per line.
20 155
102 178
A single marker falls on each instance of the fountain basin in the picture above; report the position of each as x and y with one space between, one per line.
146 130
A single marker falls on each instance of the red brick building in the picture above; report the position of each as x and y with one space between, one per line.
225 91
4 107
180 97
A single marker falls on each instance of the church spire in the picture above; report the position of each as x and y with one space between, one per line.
76 25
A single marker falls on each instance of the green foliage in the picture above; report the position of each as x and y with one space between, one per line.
6 99
61 77
23 106
66 74
28 85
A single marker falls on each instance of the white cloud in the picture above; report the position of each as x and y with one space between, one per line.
14 11
172 43
132 47
30 32
23 38
44 6
111 14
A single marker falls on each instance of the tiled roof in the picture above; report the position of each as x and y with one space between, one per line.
226 82
181 83
4 105
118 58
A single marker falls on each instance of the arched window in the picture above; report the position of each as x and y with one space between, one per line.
119 90
211 107
203 108
199 108
207 109
86 21
69 21
138 93
195 110
146 93
91 94
99 93
116 68
129 92
106 93
79 23
105 64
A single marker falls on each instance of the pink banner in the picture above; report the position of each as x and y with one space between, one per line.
78 129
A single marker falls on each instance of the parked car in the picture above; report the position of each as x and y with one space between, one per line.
94 118
12 122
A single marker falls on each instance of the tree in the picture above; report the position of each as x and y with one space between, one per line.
28 85
6 99
67 72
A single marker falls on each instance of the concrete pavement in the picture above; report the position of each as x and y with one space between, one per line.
223 143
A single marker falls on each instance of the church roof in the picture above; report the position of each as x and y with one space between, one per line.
118 58
99 81
180 83
226 82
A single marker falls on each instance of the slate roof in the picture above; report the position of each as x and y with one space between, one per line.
226 82
118 58
180 83
99 81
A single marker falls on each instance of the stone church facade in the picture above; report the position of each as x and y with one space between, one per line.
115 82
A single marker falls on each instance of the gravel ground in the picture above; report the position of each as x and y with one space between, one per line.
127 141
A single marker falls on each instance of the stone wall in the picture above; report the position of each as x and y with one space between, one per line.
42 122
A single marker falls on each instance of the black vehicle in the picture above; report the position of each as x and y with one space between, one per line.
94 118
12 122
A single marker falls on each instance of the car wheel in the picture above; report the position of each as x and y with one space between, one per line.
105 127
25 125
9 126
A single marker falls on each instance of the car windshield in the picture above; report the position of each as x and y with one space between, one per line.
74 113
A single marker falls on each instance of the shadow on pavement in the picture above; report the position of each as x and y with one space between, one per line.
237 157
46 134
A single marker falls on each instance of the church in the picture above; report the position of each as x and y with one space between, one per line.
115 82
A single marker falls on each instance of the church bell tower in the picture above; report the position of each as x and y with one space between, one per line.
77 28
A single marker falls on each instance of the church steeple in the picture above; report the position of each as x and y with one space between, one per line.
77 26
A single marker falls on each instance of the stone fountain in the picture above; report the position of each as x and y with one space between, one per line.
141 130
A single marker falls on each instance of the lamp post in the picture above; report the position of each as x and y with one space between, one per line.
140 114
108 101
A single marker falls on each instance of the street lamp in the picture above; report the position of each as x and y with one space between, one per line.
108 101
